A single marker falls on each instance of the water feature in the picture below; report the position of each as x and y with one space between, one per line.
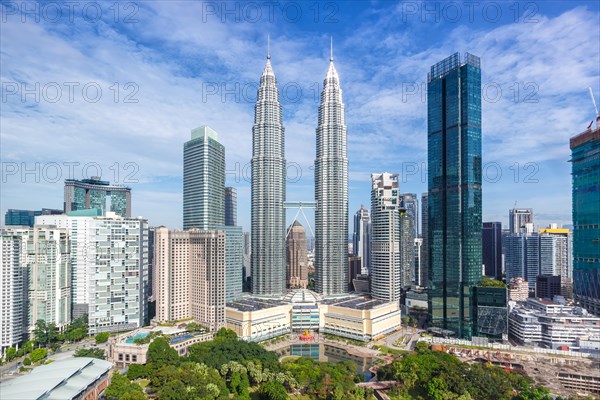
329 353
131 339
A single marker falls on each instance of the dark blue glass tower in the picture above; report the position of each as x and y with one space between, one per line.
454 201
585 160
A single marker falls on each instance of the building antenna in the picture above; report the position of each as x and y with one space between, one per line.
593 101
268 46
595 108
331 48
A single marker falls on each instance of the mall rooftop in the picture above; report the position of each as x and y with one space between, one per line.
64 380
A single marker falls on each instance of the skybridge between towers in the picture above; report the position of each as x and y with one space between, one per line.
300 205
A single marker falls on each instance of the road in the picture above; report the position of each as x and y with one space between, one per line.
66 351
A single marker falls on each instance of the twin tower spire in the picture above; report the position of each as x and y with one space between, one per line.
268 191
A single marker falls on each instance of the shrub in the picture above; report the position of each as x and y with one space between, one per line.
39 354
102 337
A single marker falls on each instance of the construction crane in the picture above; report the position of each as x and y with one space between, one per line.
595 109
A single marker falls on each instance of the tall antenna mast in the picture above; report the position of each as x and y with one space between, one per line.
595 108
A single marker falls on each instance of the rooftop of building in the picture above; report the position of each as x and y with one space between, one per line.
584 137
95 181
355 302
351 301
64 379
255 304
542 307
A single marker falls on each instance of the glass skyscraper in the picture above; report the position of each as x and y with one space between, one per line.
94 193
203 180
454 201
234 261
492 249
230 206
268 190
361 240
585 159
26 217
331 190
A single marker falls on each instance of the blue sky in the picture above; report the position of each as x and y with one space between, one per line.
118 88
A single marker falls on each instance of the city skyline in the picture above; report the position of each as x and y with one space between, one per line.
160 182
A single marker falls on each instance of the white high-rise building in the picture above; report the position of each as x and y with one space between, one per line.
44 254
361 240
190 276
268 190
529 254
331 190
82 250
386 259
518 218
109 256
13 287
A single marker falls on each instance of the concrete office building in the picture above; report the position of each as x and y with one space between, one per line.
296 257
518 218
551 324
386 258
190 276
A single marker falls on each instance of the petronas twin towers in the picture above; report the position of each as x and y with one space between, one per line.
268 190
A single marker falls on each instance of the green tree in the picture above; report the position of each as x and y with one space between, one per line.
160 353
120 386
195 327
490 282
39 354
26 348
225 334
174 390
93 352
76 330
272 391
136 371
102 337
45 334
133 395
11 353
27 361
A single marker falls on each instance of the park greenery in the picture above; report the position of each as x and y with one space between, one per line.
491 282
102 337
427 374
92 352
229 368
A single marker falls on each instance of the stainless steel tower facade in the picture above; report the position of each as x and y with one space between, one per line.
331 190
268 190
